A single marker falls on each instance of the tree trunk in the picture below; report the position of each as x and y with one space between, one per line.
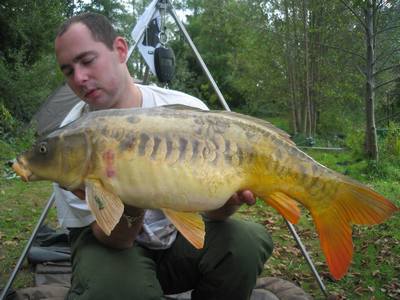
296 76
315 41
307 100
371 145
290 70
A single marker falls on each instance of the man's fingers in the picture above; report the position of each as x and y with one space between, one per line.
247 197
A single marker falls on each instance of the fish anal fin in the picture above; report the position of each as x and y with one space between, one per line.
190 225
106 207
285 205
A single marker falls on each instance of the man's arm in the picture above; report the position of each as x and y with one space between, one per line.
232 205
124 233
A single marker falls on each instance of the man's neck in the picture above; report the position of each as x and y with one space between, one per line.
132 96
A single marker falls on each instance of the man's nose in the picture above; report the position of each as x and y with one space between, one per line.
80 76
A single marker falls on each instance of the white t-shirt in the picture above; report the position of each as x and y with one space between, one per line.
158 232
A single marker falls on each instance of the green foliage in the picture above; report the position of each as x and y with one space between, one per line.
383 169
388 165
390 146
14 136
10 147
26 86
354 140
8 124
29 27
28 72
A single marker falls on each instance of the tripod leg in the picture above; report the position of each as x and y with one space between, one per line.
27 247
307 257
199 58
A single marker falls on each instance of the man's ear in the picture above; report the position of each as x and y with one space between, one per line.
121 46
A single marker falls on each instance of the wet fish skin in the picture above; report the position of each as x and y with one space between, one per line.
185 160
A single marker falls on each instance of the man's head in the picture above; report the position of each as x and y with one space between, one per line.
92 57
99 26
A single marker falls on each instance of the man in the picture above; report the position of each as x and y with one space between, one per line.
144 257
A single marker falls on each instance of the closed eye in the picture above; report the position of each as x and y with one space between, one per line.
67 71
88 61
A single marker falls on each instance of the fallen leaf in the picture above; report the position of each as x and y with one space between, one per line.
375 273
10 243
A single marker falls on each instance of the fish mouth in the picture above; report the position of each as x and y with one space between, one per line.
19 168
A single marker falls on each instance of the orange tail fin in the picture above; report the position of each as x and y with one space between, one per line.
354 203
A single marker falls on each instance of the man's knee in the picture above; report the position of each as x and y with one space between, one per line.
247 244
235 233
115 286
103 273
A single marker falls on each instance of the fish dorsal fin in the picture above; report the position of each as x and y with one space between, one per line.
181 107
285 205
190 225
106 207
283 134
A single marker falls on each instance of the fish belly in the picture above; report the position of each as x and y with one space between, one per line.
180 181
176 187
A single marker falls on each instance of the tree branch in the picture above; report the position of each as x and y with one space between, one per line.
386 82
354 13
388 117
361 71
386 29
383 56
344 50
385 69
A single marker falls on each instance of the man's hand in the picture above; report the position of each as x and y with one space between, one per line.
232 205
124 233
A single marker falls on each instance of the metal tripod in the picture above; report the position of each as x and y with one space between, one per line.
166 5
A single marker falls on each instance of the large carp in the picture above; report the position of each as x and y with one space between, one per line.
186 161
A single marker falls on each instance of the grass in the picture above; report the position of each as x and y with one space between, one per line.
374 272
21 206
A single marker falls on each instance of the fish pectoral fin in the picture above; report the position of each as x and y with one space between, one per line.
190 225
106 207
285 205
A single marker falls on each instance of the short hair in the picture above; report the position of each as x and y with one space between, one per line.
99 26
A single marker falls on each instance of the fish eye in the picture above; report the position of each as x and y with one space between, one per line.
43 148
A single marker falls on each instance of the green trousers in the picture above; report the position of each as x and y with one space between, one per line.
226 268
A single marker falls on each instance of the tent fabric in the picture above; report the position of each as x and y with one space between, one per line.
54 109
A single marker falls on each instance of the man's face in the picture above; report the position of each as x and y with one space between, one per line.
92 70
